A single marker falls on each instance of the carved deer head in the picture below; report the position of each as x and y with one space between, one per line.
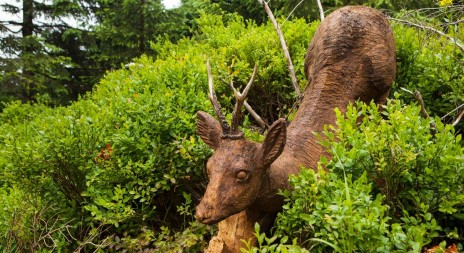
237 167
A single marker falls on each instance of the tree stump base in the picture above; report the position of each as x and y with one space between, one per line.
232 231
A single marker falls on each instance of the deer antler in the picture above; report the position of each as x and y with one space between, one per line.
217 107
237 115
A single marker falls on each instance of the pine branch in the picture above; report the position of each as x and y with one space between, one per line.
5 28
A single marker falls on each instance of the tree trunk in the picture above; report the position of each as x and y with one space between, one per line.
27 30
28 16
142 27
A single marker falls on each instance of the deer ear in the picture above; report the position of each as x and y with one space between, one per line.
273 143
209 129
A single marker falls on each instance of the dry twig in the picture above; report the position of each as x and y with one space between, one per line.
289 15
417 95
455 109
425 115
291 69
456 122
92 236
321 10
428 28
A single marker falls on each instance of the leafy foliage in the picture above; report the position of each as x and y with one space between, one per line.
124 163
122 168
432 65
275 244
392 185
251 9
122 157
234 46
410 165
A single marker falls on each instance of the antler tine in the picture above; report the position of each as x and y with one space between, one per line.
252 79
239 100
217 107
250 110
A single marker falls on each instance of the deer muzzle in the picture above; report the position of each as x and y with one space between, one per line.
206 214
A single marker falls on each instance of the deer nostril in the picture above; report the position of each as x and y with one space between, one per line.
199 217
203 212
200 214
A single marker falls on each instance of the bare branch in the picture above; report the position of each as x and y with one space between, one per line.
291 69
408 91
258 119
455 109
417 95
91 236
423 111
321 10
289 15
455 123
407 22
419 99
455 22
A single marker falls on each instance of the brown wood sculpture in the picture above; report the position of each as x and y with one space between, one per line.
351 57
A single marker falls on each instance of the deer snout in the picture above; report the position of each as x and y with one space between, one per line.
204 214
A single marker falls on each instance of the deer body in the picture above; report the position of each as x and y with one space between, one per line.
352 56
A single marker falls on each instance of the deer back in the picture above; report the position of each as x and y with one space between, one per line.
351 57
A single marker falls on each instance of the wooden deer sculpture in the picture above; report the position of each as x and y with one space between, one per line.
351 57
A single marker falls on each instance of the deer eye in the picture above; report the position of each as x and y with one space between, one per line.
242 175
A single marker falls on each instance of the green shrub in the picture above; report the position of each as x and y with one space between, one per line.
415 169
234 46
328 211
121 157
275 244
392 185
114 167
123 164
432 65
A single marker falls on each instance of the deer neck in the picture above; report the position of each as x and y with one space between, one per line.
316 111
302 148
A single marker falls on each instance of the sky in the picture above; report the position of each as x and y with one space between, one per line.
6 16
169 4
